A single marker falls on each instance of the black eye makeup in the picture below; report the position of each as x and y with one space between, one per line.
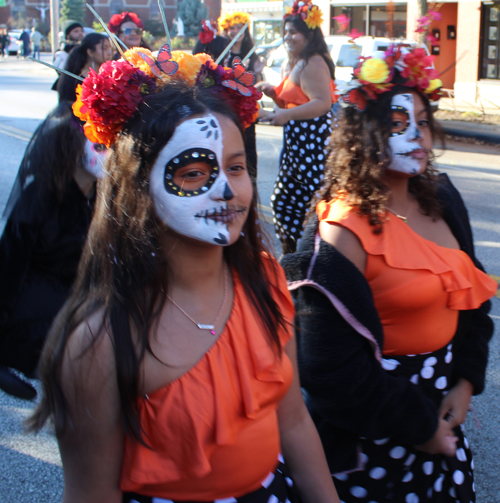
185 158
400 120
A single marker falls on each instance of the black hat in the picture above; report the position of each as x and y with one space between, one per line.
71 27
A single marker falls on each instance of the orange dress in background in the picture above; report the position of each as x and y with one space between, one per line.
214 431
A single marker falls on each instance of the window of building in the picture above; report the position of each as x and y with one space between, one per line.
270 29
116 7
377 20
490 68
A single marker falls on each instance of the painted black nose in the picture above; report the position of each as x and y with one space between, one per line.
228 193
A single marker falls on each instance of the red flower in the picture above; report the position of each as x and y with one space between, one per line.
109 98
206 35
418 69
118 19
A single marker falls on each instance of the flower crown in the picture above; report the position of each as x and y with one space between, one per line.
208 31
106 100
229 19
399 65
309 13
118 19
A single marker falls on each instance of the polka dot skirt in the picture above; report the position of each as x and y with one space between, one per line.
396 472
277 487
300 175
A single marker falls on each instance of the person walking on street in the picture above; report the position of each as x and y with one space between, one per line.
36 39
304 100
25 39
73 35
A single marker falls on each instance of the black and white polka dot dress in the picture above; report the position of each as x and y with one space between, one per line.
300 175
396 472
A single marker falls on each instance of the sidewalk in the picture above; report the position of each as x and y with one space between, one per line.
484 132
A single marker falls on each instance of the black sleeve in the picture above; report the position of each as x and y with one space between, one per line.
18 240
475 327
347 386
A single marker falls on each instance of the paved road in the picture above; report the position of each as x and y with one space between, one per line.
30 469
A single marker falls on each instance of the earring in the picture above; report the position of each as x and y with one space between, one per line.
242 233
93 65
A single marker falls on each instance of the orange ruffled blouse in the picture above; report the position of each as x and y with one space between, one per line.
214 431
292 95
418 286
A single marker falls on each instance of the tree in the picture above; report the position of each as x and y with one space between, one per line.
73 10
191 12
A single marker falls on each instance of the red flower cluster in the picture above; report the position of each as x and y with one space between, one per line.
418 69
109 98
118 19
246 107
206 34
300 8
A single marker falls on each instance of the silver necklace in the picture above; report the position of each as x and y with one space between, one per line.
203 326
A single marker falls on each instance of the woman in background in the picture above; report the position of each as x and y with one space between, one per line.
129 28
48 216
304 100
94 50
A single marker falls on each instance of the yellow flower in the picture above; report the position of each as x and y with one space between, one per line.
433 85
374 71
229 19
204 58
134 59
189 66
314 18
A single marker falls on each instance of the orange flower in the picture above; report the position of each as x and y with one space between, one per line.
204 58
134 59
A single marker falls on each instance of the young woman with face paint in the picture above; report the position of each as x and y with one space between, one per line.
170 372
48 216
394 337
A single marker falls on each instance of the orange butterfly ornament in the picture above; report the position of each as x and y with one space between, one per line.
241 78
162 63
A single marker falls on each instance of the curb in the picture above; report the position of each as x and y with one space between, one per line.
489 137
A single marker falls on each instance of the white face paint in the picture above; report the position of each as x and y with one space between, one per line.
404 142
202 213
95 158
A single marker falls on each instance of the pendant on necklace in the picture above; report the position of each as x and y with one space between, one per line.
201 326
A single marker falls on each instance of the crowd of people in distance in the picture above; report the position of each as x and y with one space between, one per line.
179 360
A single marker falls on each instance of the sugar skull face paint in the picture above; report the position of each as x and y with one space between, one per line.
408 156
191 191
95 158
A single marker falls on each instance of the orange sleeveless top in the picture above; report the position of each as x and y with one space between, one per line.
418 286
293 96
214 432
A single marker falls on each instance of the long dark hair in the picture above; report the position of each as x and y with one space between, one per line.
55 150
359 154
75 63
315 42
123 273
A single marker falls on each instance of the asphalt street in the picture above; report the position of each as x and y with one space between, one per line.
30 467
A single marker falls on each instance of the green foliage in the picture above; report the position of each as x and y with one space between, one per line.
178 43
192 12
155 27
97 27
72 10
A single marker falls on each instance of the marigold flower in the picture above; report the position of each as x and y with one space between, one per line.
133 57
206 58
229 19
374 71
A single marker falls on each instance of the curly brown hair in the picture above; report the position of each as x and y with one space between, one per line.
358 154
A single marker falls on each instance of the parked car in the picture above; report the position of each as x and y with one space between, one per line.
14 42
345 54
265 49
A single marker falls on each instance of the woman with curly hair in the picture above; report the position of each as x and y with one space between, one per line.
304 100
393 327
169 373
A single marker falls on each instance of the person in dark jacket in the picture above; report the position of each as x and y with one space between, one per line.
209 41
48 216
392 303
